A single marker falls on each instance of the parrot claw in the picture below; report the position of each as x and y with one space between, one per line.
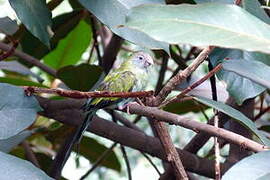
127 106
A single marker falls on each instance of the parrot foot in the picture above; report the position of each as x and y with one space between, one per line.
127 106
140 102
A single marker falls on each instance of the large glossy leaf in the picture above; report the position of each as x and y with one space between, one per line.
253 70
8 26
61 26
254 167
17 67
239 88
92 150
17 111
35 15
112 13
203 24
81 77
6 145
70 49
15 168
254 7
236 115
20 82
184 107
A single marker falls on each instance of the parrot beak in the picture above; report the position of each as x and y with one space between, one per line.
149 62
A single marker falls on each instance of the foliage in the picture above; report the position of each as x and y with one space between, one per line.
77 45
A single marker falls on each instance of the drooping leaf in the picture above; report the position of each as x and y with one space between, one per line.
254 7
215 1
70 49
6 145
118 9
15 168
81 77
20 82
236 115
8 26
35 15
253 70
17 111
252 167
239 88
92 150
184 107
202 24
61 26
17 67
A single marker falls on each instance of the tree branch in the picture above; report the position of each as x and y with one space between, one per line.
197 126
29 90
29 59
67 111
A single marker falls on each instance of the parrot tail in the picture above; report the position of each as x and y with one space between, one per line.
75 138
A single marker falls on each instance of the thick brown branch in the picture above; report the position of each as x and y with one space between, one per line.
80 95
197 126
67 111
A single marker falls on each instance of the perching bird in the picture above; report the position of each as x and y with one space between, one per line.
131 76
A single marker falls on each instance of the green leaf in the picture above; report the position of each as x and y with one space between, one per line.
236 115
239 88
184 107
6 145
15 168
254 7
253 70
254 167
118 9
35 15
61 26
81 77
17 111
203 24
20 82
92 150
70 49
8 26
216 1
15 66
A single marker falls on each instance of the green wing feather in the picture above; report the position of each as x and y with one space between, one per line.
116 82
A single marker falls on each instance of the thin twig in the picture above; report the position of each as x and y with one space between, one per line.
151 162
180 76
216 122
194 85
29 59
99 160
80 95
262 113
162 72
94 30
10 51
127 161
91 52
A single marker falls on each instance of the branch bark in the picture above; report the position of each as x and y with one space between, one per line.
68 112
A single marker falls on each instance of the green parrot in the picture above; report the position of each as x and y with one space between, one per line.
131 76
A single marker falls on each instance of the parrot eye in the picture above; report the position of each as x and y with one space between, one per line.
140 58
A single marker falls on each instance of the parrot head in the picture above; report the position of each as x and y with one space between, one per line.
142 60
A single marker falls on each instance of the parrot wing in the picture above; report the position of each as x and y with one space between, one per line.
114 82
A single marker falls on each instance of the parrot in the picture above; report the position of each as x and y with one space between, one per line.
131 76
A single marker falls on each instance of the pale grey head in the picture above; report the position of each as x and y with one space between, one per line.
142 60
